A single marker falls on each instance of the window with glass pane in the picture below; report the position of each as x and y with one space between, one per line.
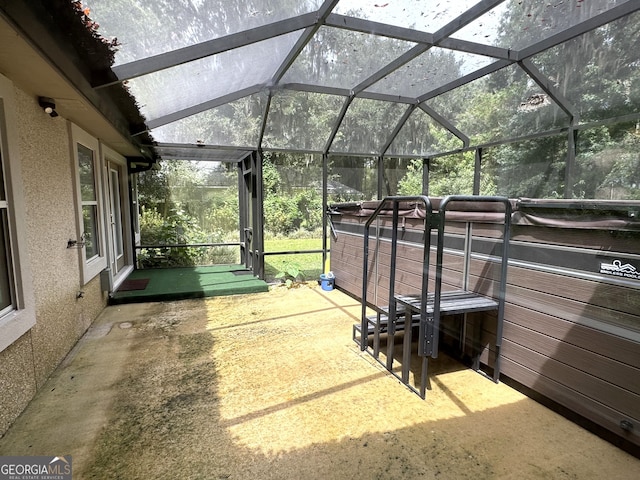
533 169
116 212
6 285
86 165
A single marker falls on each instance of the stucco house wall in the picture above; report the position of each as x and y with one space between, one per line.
64 308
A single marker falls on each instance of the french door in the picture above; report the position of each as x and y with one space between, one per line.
115 218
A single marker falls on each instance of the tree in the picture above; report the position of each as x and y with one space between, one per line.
176 207
292 200
411 183
597 73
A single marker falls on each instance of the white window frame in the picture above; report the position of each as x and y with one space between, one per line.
89 267
16 321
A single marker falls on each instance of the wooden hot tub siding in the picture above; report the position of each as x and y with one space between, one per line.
570 333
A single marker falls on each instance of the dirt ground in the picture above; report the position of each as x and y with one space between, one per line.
271 386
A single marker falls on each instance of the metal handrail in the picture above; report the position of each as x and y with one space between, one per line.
187 245
395 201
503 267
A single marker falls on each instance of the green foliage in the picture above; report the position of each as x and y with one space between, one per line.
352 178
310 264
177 228
283 215
411 183
179 205
224 215
309 205
289 204
596 75
608 164
452 175
280 214
290 272
270 177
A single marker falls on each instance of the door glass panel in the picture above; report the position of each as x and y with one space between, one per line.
116 212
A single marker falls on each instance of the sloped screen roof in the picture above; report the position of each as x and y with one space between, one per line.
371 77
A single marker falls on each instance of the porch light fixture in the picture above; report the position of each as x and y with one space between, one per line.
48 105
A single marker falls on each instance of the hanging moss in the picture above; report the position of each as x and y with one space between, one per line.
69 23
70 20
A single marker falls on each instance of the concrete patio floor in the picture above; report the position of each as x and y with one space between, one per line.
270 385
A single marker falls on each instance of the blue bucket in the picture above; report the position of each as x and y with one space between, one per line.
327 282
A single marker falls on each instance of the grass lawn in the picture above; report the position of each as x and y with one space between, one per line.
310 264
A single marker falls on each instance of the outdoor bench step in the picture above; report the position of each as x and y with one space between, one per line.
384 323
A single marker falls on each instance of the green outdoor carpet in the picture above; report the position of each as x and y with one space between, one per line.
155 285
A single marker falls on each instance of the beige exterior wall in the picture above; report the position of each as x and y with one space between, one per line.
62 315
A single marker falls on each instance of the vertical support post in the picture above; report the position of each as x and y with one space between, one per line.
364 324
570 162
438 283
426 165
380 167
466 264
503 287
424 297
406 345
392 284
376 336
245 249
477 176
424 377
257 212
325 176
466 267
477 171
365 273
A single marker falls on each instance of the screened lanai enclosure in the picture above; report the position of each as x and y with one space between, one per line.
351 123
355 100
